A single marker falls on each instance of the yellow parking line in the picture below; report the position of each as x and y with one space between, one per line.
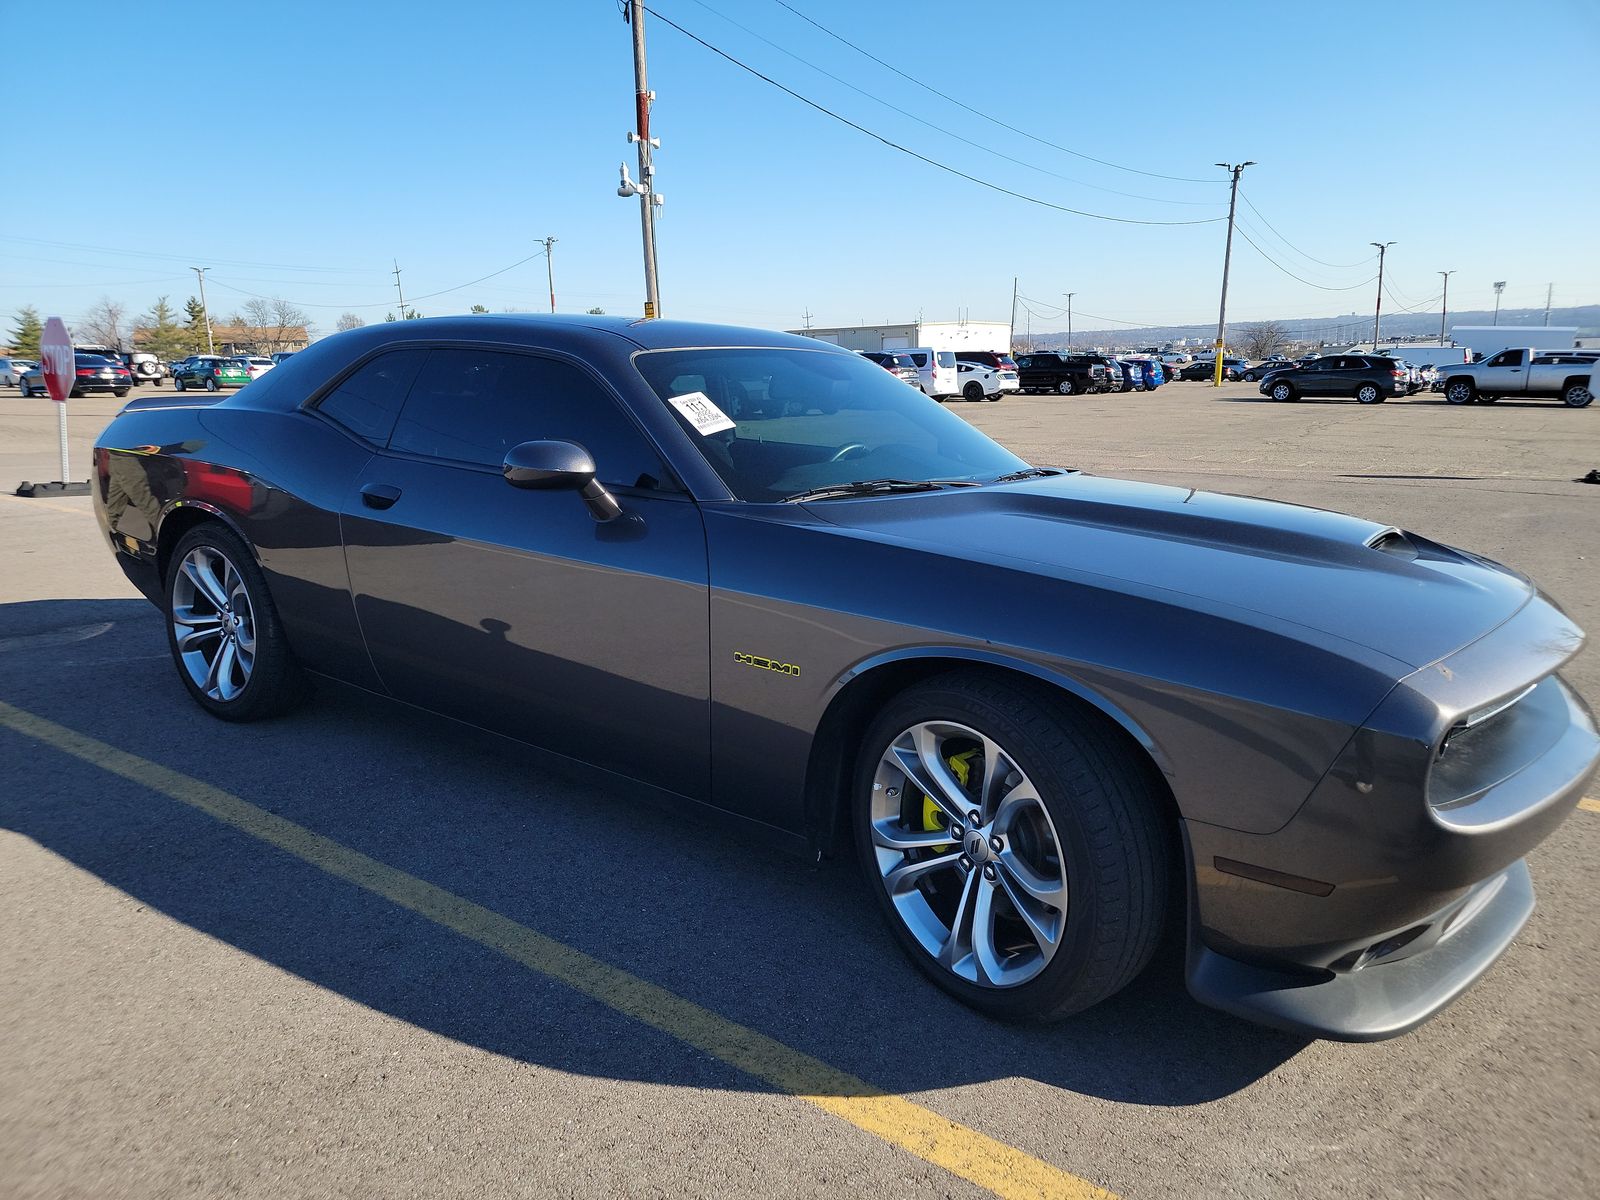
1002 1169
37 502
1589 804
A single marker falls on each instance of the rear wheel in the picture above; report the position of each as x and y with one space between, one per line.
1460 391
1066 387
973 391
1577 395
211 385
1016 846
223 629
1368 393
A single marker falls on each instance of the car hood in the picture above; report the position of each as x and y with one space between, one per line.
1401 595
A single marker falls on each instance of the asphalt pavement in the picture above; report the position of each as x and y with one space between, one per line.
361 951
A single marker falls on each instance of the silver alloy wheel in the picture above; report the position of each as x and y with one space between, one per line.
1065 387
1577 396
1282 391
1459 392
985 893
213 623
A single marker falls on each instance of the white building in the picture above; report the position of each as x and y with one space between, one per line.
1491 339
937 335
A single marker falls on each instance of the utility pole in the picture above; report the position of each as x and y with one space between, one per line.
550 271
806 317
211 346
1548 292
1013 311
1499 287
1444 310
398 292
645 188
1235 169
1069 296
1382 249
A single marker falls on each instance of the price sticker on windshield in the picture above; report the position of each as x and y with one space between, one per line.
705 416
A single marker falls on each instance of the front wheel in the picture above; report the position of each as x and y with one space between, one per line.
27 392
1282 391
223 629
177 384
1065 388
1577 395
1368 393
1014 843
1460 391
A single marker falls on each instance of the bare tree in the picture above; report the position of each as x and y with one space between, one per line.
102 324
348 321
275 323
1263 338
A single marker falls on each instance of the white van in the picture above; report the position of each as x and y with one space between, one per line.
936 369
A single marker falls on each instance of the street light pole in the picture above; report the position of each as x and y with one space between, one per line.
1499 287
1378 309
645 188
1444 309
1069 296
1235 169
205 311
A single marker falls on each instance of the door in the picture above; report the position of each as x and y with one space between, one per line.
517 610
1318 377
1503 373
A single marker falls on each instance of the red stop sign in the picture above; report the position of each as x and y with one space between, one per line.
59 366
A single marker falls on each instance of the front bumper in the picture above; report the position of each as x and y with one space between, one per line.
1381 1001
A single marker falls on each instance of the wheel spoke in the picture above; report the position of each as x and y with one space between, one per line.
213 670
201 629
984 952
226 661
1039 887
997 768
904 877
1011 805
958 943
920 763
890 836
1045 927
205 581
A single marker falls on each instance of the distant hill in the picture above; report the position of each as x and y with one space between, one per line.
1332 330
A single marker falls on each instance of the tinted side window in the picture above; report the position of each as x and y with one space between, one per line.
474 405
1509 358
368 402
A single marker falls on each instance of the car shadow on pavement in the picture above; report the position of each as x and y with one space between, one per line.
794 951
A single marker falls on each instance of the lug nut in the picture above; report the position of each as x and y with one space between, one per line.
957 832
995 844
989 872
966 863
974 817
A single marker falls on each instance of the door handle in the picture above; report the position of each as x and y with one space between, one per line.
379 495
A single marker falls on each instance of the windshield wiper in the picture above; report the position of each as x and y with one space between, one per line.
1025 473
864 487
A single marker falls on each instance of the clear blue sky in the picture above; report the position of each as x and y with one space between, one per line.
298 148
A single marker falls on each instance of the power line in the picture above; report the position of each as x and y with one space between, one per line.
893 145
940 128
1324 287
384 303
1296 249
979 113
173 257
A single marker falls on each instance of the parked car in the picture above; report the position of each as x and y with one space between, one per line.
897 363
1262 369
256 364
989 358
1063 374
144 367
282 356
936 370
981 382
1526 374
95 373
1086 710
1152 371
210 372
1125 376
1370 378
12 370
1206 368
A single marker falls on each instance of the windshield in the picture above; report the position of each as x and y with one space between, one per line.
777 422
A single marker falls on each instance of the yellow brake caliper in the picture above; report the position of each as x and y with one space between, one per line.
932 815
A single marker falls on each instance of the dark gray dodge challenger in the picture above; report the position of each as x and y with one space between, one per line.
1051 712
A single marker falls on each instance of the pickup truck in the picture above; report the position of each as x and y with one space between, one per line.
1553 374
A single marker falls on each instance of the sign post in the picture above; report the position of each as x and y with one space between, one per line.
60 369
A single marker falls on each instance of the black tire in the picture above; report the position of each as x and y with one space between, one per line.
275 684
119 392
1577 395
177 384
27 392
1249 376
1485 399
211 385
1066 388
973 392
1460 391
1116 851
1369 393
1283 391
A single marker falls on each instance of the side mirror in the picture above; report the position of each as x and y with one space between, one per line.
561 467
